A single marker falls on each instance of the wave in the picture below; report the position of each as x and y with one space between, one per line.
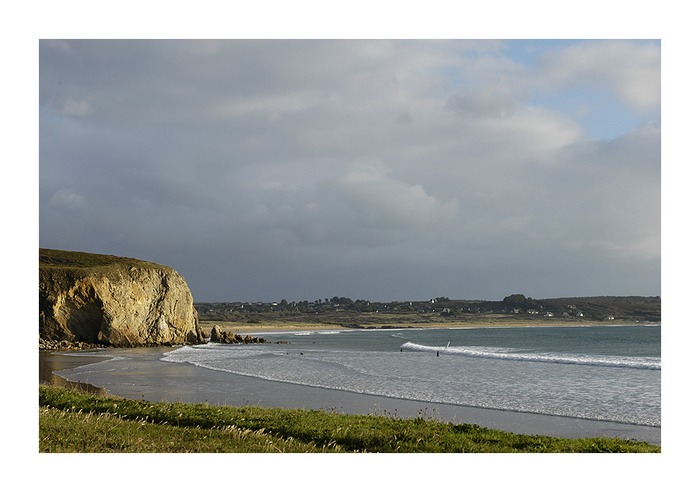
88 354
314 332
653 363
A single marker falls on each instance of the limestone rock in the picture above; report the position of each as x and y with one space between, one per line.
217 335
220 336
113 301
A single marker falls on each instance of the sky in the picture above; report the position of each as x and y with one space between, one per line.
507 167
380 169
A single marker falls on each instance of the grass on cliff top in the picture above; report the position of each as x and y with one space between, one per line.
55 258
74 421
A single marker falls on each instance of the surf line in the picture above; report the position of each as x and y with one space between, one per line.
446 347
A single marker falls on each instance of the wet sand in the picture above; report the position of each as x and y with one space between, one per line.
141 375
51 362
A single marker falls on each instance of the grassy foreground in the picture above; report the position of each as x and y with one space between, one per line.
75 421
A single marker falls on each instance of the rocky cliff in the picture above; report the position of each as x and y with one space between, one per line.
113 301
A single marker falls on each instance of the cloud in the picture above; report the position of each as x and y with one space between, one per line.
490 101
379 200
621 183
260 167
76 107
632 70
67 199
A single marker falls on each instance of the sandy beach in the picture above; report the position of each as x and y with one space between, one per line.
283 327
247 328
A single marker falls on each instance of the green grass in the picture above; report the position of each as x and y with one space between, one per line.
55 258
74 421
64 431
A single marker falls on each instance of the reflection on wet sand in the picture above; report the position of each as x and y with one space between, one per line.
51 362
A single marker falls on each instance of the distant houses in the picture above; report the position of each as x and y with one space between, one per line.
607 309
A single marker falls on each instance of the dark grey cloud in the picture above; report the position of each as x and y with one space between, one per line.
370 169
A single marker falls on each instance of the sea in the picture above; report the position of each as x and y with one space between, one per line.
594 373
608 373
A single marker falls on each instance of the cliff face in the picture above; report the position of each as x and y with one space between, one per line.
113 301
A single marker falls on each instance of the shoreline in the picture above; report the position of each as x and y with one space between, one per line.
283 327
51 362
232 327
187 383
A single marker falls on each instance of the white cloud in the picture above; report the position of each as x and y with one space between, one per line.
632 70
384 153
67 199
379 200
528 135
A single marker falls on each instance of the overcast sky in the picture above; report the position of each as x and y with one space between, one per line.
382 170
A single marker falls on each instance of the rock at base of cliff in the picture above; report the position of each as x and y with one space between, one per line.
218 335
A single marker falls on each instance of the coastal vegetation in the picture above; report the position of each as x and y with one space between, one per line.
74 421
57 258
88 300
516 309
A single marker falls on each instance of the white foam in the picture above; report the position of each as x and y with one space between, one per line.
653 363
449 379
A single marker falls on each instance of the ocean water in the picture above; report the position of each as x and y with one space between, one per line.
605 373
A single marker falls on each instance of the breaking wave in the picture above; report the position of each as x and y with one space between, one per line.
652 363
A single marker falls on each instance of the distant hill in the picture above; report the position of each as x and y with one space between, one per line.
517 307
